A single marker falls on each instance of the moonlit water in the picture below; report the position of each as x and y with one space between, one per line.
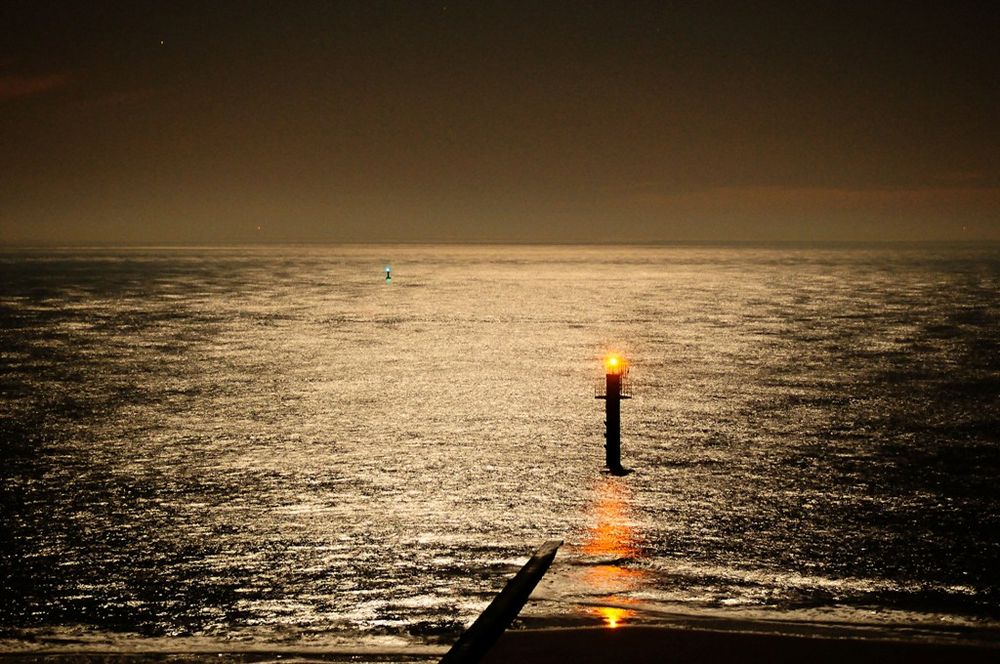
273 447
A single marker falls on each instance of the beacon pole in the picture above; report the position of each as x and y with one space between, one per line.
615 389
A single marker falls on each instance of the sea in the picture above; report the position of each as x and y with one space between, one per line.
276 449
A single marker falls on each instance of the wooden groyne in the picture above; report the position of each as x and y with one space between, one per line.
497 617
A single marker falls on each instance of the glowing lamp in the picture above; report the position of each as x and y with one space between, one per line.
613 389
614 364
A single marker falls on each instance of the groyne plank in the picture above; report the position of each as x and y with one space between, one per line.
497 617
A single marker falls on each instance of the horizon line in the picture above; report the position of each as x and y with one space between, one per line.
513 243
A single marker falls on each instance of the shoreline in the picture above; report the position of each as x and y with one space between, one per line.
685 639
749 641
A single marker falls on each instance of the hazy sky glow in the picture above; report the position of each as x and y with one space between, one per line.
171 122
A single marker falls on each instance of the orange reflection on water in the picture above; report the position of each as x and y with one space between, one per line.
613 615
611 580
612 540
613 536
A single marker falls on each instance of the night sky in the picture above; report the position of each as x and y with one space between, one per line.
211 122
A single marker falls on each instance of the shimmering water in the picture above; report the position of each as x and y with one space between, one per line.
272 445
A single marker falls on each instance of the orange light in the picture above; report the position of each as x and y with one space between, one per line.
614 616
614 363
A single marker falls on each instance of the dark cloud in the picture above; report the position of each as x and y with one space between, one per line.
123 98
13 86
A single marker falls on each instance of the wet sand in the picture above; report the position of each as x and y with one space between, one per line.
629 643
685 645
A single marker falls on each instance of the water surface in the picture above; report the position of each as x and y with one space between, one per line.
267 446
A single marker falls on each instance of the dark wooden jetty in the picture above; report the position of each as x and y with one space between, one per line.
497 617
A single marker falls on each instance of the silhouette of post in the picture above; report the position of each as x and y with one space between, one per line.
497 617
615 389
613 422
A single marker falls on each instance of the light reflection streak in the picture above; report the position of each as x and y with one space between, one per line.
612 540
613 615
